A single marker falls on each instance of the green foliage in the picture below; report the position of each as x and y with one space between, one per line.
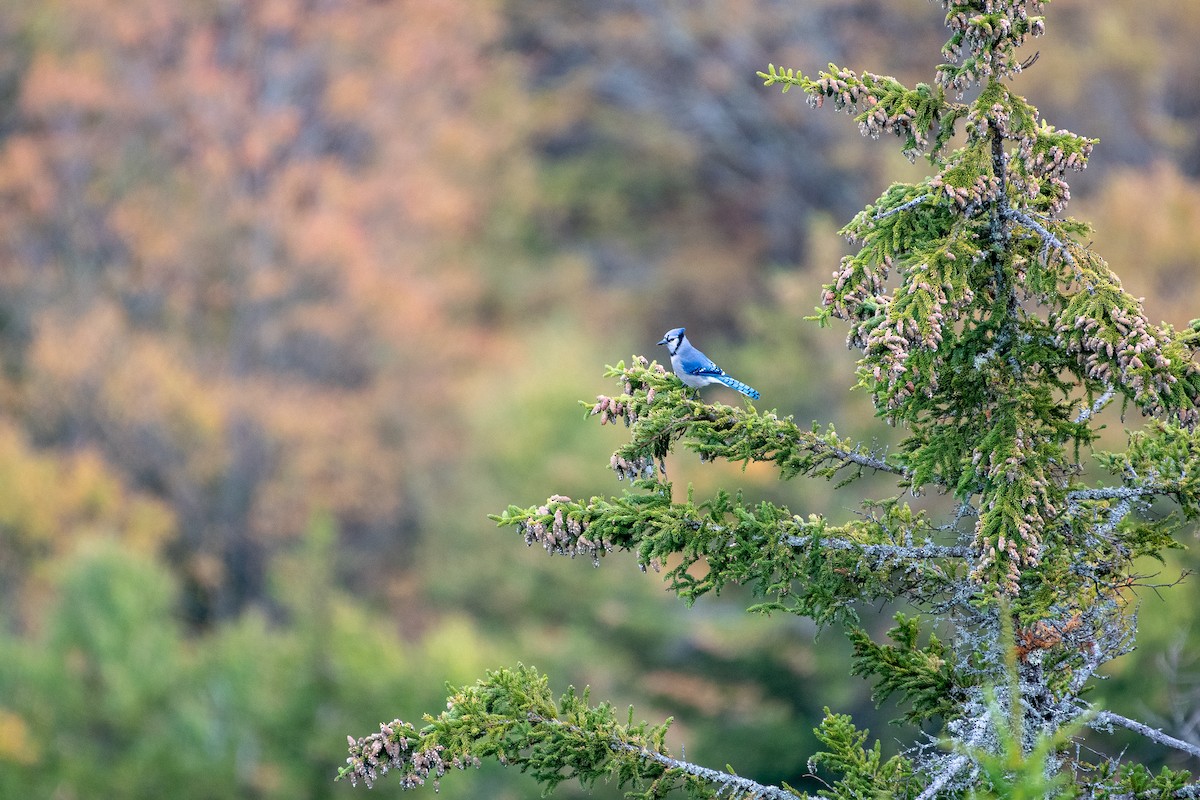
923 676
1107 331
863 773
1135 780
107 668
112 698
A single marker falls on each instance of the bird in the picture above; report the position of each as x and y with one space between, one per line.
696 369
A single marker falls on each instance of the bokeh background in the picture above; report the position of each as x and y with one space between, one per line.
294 292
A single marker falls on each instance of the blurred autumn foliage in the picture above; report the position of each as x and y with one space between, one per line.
279 279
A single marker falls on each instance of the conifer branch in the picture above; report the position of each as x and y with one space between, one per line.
1104 643
561 523
924 676
944 776
660 411
803 565
1119 512
512 716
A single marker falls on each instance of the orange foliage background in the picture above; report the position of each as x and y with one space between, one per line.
264 263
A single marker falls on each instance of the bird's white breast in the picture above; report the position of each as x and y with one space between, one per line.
695 381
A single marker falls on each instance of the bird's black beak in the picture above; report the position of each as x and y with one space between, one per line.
663 340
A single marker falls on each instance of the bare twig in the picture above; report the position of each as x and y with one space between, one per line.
1049 240
957 763
1100 403
728 781
1153 734
953 768
916 201
865 460
1119 512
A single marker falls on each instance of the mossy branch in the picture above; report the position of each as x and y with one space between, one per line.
512 716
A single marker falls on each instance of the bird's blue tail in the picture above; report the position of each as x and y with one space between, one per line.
733 383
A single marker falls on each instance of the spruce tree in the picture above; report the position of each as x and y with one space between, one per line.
993 336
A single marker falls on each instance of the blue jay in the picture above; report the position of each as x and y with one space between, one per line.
696 369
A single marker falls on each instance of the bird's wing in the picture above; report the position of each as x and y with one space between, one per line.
706 368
